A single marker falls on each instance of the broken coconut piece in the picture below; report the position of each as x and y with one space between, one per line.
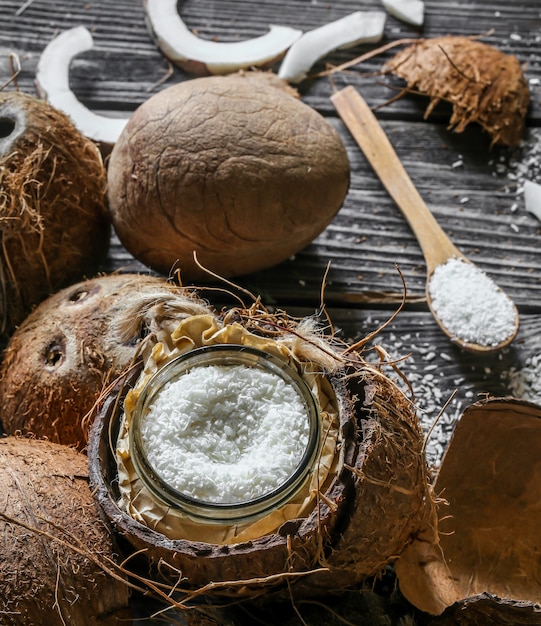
351 30
484 558
532 198
52 83
483 84
409 11
201 56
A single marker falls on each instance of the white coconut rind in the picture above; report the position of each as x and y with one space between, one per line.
409 11
52 83
532 198
346 32
179 44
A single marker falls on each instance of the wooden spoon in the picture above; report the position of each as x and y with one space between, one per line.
435 244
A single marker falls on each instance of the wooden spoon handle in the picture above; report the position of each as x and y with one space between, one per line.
371 138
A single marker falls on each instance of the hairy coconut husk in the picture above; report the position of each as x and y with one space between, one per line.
483 84
75 343
365 517
484 561
56 554
54 226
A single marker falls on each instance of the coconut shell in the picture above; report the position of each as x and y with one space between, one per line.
231 168
482 84
53 219
484 561
53 541
369 513
75 343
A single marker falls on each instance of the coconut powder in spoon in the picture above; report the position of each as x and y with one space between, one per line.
470 305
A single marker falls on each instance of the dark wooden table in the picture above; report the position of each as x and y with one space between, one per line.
473 190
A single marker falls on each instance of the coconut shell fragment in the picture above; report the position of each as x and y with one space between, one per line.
484 561
482 84
75 343
57 556
54 226
230 169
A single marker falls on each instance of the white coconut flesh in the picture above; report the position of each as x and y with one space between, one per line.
179 44
409 11
52 82
352 30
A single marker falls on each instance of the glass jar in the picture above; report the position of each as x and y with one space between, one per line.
201 508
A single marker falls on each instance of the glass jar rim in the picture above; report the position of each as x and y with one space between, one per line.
224 354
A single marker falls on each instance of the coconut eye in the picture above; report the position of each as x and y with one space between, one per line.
7 126
55 354
81 294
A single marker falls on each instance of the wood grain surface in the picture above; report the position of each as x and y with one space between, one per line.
366 253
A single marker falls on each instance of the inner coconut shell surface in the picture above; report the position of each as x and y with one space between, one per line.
366 516
487 552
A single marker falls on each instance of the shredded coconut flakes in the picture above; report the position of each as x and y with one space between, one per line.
470 305
226 433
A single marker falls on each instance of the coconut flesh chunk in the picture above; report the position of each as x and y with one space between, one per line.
202 56
346 32
409 11
532 198
52 83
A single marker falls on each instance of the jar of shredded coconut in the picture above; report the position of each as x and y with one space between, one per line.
225 433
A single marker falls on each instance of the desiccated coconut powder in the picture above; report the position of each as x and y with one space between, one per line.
470 305
226 433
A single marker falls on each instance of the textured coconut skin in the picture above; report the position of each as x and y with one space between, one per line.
482 84
229 167
53 219
371 517
44 489
75 343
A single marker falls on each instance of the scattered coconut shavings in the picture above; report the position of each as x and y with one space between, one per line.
483 84
525 382
409 11
202 56
532 198
52 83
470 305
351 30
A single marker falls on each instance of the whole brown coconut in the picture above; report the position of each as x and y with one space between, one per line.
54 227
56 553
232 168
75 343
482 84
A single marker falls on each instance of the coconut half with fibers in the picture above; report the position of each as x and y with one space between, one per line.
53 219
360 506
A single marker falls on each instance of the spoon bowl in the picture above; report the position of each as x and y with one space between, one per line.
437 248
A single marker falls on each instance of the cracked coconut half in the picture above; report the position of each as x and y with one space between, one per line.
482 84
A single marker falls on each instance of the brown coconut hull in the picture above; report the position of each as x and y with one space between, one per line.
486 558
74 344
367 516
54 224
52 537
482 84
228 167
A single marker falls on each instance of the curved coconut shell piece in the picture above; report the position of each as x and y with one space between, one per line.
486 555
57 554
75 343
483 84
368 514
54 225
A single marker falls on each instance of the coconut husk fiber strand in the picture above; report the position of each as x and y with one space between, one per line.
482 84
489 534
